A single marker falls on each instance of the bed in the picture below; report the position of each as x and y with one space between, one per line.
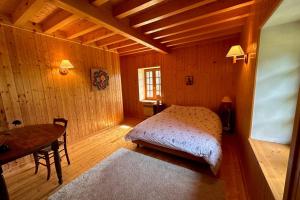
191 132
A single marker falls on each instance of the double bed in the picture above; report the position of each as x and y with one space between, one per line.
191 132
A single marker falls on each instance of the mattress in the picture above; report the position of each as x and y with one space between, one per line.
194 130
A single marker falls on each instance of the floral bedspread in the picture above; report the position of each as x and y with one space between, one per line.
194 130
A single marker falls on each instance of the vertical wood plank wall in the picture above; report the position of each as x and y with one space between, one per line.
292 184
257 185
33 90
2 116
214 76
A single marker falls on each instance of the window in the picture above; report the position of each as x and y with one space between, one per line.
149 83
276 93
152 83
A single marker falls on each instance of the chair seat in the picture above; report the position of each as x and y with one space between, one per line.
46 153
48 148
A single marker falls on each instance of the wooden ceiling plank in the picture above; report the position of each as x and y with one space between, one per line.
132 48
130 7
98 2
121 44
4 19
207 41
203 31
104 17
96 35
44 12
25 10
57 21
213 9
32 27
110 40
205 37
202 23
135 52
82 29
166 10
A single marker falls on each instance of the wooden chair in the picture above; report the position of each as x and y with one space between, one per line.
47 153
16 122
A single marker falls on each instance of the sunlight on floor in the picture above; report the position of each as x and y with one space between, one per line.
125 127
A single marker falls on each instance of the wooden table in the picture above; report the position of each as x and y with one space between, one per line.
27 140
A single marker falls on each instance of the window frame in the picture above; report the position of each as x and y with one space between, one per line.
153 70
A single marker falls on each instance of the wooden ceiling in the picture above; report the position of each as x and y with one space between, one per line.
129 26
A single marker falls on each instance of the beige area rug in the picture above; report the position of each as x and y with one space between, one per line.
128 175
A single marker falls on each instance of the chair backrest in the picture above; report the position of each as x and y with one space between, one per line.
63 122
16 122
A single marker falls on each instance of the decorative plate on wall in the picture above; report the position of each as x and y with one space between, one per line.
99 79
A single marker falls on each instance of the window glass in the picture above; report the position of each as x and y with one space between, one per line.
152 83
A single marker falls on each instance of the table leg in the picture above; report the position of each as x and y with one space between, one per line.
3 188
55 147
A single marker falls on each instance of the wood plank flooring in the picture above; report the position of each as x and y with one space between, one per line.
23 184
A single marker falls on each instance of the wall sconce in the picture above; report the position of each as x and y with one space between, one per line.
237 53
64 67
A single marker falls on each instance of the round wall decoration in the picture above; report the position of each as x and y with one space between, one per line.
100 79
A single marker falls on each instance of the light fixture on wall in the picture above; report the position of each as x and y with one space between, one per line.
64 67
237 53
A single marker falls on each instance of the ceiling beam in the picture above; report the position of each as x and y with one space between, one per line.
81 28
202 23
121 44
104 17
210 31
58 20
130 7
132 48
36 28
25 10
206 36
207 41
166 10
216 8
98 2
96 35
136 52
4 19
203 31
110 40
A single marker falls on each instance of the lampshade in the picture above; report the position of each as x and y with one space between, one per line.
235 50
226 99
66 64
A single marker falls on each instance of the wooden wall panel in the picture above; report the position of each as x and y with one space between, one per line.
3 124
33 90
7 84
292 184
214 76
256 183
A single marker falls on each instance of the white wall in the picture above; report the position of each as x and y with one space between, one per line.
277 83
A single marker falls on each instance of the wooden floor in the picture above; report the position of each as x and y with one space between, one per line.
23 184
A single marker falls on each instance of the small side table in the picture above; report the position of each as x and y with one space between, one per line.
158 108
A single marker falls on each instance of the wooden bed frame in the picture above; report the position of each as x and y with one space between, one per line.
170 151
